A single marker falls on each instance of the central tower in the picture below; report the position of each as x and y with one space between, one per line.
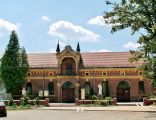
68 60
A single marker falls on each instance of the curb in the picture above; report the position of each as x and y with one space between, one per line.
96 109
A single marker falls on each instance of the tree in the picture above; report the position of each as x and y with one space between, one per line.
24 64
0 71
14 66
139 16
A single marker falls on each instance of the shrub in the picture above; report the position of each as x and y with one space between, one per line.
11 102
37 101
93 97
24 100
152 96
14 105
108 99
104 102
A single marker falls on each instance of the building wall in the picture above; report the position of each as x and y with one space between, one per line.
41 77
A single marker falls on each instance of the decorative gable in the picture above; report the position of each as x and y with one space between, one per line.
68 52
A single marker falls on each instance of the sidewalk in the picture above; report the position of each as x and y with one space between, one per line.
107 108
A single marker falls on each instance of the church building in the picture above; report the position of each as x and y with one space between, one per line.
61 76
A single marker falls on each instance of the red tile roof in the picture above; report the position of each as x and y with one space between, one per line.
90 59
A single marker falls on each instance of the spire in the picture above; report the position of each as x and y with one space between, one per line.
58 47
78 47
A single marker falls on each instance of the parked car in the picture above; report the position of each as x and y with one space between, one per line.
3 110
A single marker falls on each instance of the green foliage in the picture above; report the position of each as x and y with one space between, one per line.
14 66
139 16
37 101
102 102
98 102
152 96
11 103
93 97
0 71
108 98
25 100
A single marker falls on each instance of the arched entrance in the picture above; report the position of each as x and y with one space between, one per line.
68 92
123 92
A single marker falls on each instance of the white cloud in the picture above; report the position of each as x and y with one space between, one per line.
45 18
6 26
65 30
103 50
131 45
96 21
100 21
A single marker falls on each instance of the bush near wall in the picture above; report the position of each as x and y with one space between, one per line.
80 102
44 102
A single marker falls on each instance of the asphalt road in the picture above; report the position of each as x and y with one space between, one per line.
77 115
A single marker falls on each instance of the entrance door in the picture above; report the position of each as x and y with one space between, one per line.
68 95
67 92
123 92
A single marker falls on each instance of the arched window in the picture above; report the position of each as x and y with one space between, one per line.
105 88
69 69
87 89
51 88
29 88
68 66
141 87
123 84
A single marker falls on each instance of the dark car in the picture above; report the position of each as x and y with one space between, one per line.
3 111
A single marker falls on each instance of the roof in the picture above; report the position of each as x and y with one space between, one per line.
90 59
42 60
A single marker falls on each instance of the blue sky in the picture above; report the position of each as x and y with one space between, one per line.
41 23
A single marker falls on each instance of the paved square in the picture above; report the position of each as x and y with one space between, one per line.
77 115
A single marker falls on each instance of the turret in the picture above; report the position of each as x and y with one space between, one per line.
58 47
78 47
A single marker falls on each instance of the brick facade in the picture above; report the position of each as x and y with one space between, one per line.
79 68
